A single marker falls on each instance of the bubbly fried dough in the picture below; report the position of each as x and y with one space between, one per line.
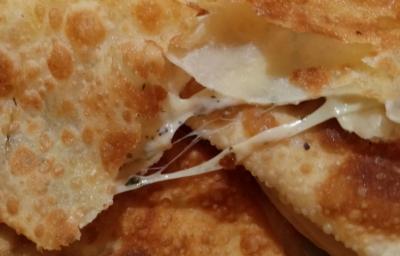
222 213
349 20
86 86
347 186
78 81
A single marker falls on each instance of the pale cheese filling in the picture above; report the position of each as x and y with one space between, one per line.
333 108
250 61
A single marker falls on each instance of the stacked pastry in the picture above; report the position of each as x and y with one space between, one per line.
303 94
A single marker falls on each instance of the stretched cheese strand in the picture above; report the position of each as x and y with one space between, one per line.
333 107
176 112
179 110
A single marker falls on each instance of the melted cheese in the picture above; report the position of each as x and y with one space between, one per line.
393 110
333 108
255 61
175 115
259 63
179 110
227 69
372 123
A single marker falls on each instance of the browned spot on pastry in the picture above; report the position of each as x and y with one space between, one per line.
145 100
365 188
146 60
87 135
23 161
56 223
12 206
67 137
31 100
7 74
310 79
115 147
85 28
60 62
149 15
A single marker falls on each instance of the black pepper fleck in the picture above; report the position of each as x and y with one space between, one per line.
163 131
133 181
306 146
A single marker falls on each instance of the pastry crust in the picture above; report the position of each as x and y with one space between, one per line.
347 186
78 82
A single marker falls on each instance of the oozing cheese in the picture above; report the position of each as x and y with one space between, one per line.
179 110
333 108
176 113
393 110
372 123
260 63
228 69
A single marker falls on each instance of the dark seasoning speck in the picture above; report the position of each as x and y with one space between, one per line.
135 180
162 131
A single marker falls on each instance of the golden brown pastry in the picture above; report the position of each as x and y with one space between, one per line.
325 178
223 213
82 86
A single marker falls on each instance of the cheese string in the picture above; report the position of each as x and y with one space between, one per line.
331 108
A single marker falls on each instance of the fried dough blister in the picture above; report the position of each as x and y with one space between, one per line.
343 181
345 185
222 213
91 95
82 84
